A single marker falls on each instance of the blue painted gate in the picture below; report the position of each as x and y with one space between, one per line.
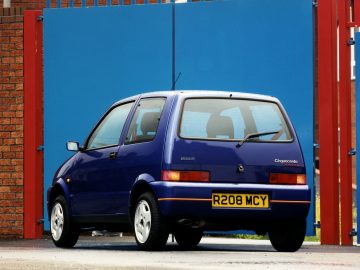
95 56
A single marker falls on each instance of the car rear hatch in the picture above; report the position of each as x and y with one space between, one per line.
236 140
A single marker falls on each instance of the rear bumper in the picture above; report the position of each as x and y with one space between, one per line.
193 201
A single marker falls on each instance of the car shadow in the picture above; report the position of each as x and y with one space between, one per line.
171 247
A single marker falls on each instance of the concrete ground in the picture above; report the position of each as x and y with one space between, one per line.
213 253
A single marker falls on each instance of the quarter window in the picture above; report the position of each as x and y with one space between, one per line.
109 130
145 122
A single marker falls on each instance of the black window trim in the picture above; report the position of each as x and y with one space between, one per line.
290 127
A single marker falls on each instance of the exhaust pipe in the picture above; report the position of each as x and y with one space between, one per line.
185 222
191 223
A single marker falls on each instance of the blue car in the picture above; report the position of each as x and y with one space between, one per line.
185 162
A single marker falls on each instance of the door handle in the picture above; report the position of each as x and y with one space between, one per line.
112 155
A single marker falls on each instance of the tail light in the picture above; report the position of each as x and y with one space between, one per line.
185 176
289 179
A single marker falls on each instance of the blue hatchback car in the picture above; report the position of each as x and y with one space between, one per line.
185 162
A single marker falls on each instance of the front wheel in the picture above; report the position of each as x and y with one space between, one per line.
64 232
151 230
288 237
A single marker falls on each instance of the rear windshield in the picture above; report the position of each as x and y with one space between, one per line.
232 119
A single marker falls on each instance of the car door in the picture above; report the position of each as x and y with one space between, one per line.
96 180
143 145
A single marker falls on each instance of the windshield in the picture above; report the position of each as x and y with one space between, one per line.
232 119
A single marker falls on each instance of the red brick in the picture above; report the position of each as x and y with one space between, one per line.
16 148
4 121
17 94
16 66
19 73
19 114
4 66
9 182
4 80
4 134
16 189
17 175
8 86
6 223
19 59
17 162
4 93
19 33
16 39
7 33
11 217
4 148
5 162
19 182
9 155
8 141
15 53
16 80
2 188
7 196
18 121
7 128
7 168
4 40
9 114
8 46
5 53
19 45
19 210
8 60
19 86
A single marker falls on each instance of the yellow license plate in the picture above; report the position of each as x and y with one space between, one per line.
236 200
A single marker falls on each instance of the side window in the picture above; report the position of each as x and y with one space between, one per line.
109 131
145 122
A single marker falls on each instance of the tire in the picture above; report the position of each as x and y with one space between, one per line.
188 238
64 232
151 230
288 237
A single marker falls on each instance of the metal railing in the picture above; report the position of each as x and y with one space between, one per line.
97 3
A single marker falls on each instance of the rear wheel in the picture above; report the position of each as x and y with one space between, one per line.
64 232
151 230
288 237
188 238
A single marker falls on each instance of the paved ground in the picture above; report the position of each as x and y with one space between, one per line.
213 253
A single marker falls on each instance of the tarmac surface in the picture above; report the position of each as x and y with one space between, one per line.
213 253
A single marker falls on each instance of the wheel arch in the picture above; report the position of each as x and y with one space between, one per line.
59 188
141 185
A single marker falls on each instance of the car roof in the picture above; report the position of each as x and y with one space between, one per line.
199 93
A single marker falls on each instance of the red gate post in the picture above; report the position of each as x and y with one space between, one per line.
33 126
328 121
345 122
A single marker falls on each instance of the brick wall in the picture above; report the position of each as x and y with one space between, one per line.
11 123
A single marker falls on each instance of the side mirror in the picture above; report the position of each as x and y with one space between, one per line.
72 146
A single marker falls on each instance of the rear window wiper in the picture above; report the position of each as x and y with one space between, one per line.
254 135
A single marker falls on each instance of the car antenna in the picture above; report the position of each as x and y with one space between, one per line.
174 84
